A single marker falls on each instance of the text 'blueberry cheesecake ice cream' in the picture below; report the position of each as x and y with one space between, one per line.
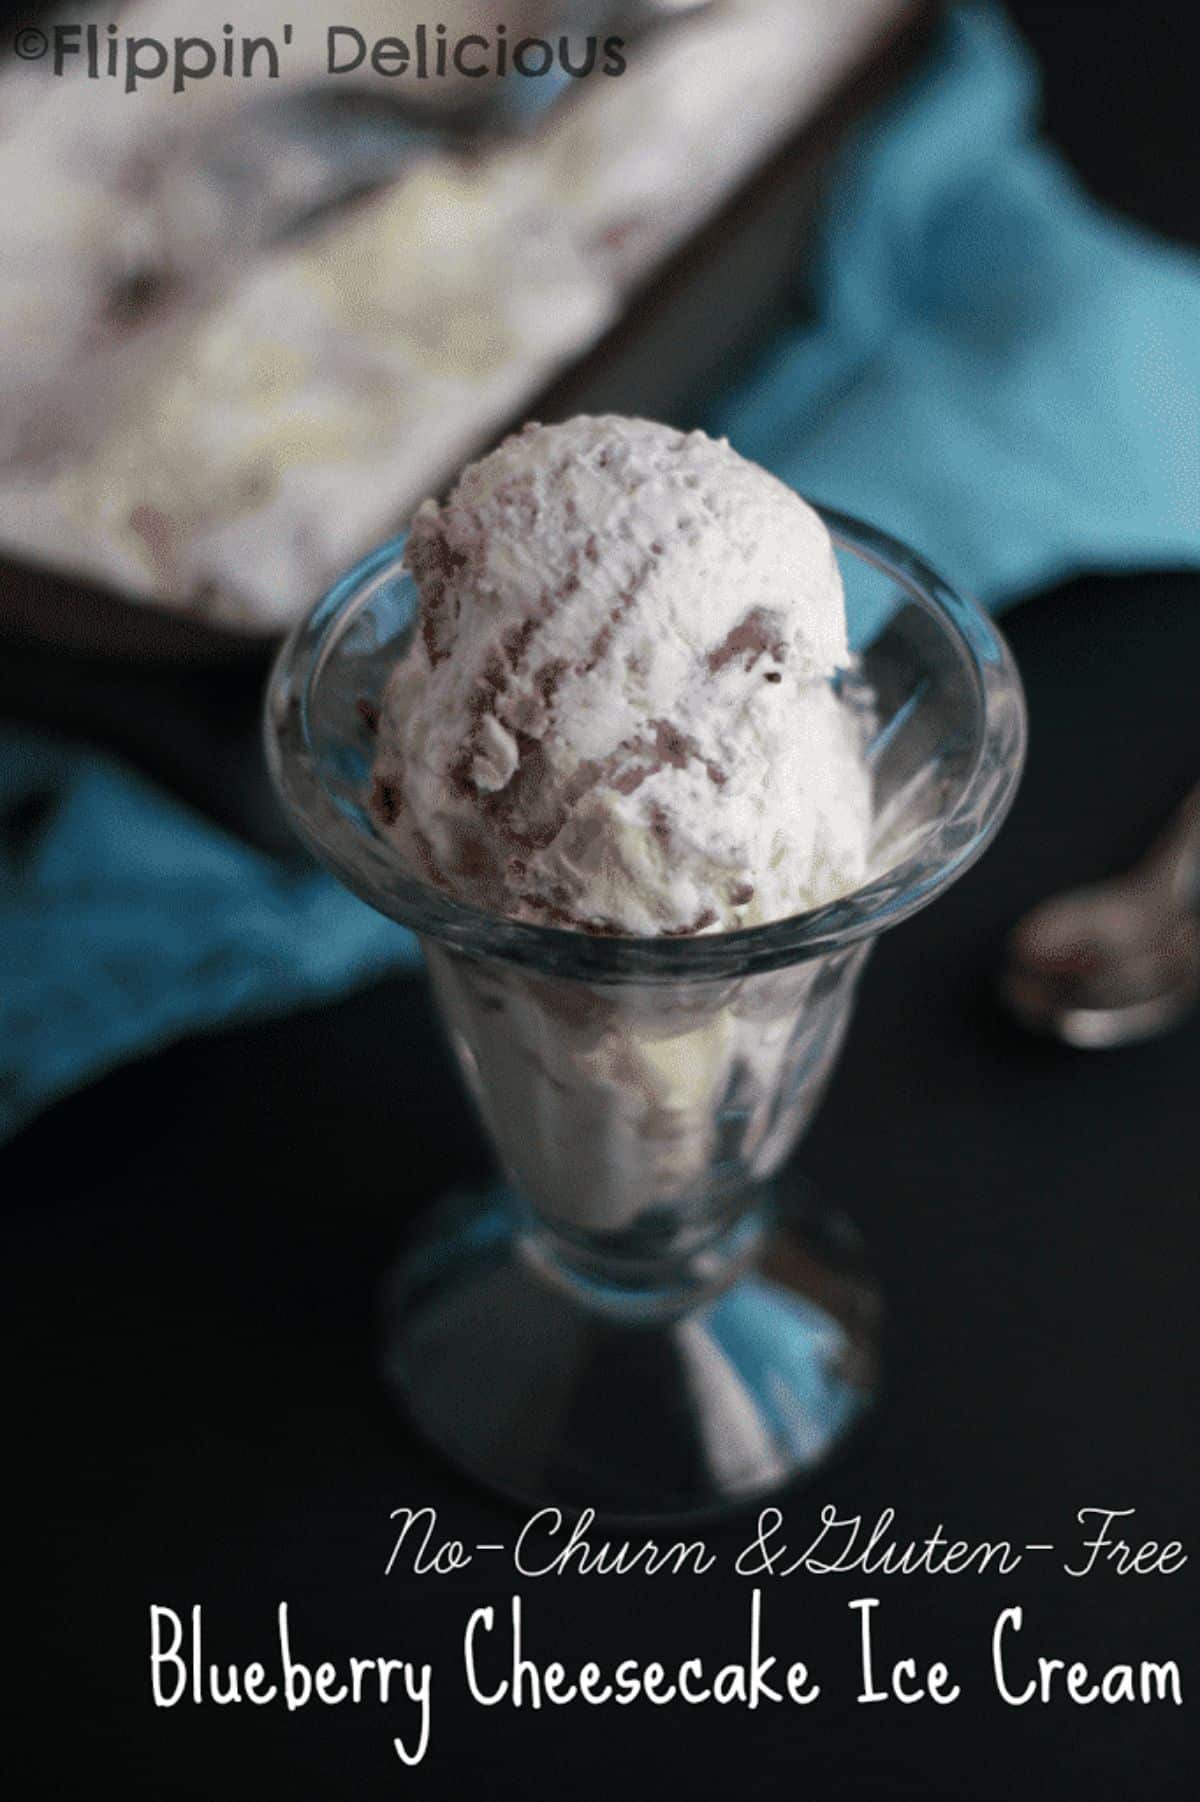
617 715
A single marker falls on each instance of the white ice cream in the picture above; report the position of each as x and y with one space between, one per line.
618 714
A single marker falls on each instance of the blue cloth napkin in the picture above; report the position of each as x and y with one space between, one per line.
126 921
999 373
993 370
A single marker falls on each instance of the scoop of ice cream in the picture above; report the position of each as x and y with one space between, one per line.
617 713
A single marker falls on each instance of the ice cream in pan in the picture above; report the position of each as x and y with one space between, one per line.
618 715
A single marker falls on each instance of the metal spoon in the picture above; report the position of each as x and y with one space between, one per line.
1118 960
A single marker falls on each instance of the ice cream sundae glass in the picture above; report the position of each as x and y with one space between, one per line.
647 751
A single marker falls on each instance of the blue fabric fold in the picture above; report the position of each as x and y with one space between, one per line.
998 372
991 368
126 921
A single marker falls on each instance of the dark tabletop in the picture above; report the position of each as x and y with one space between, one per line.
195 1243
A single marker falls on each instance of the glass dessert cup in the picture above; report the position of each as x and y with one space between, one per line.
651 1316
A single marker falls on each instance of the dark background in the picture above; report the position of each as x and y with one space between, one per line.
194 1245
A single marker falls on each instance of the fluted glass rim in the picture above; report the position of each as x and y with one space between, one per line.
372 870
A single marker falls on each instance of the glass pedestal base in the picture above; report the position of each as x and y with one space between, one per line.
556 1389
